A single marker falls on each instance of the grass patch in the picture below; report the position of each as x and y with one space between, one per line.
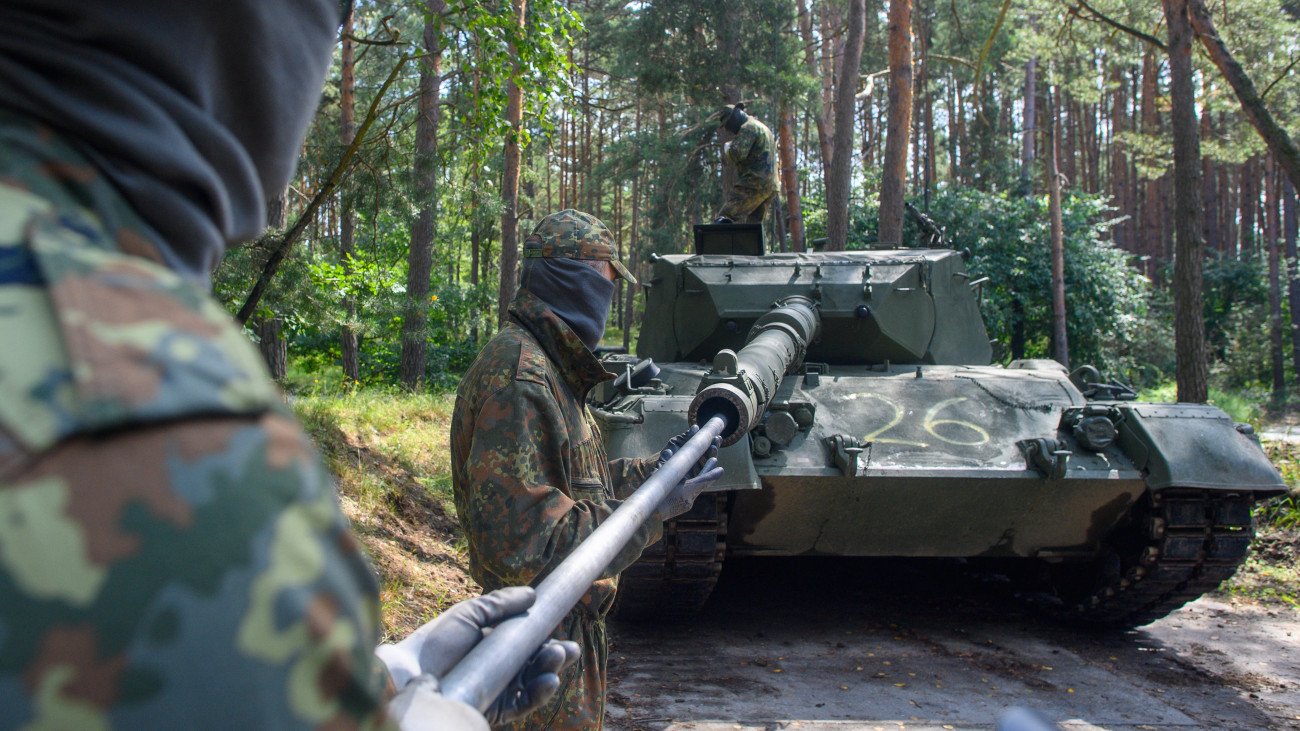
389 453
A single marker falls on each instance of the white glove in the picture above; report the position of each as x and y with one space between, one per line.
702 474
435 648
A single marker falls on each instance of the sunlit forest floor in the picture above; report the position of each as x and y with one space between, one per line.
389 453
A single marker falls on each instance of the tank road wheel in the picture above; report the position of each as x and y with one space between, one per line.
1172 548
675 575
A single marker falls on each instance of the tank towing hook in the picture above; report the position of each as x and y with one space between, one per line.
1046 456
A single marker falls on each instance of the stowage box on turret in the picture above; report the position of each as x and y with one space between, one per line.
868 421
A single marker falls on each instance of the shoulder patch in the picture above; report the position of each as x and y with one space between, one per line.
121 340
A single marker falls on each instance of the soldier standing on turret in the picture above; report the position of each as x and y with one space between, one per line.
753 153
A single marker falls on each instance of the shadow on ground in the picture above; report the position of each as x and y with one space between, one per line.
840 643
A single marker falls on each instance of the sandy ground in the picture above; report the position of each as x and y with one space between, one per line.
840 644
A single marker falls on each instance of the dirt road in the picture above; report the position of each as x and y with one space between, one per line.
820 645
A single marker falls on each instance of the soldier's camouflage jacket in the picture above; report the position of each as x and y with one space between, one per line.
753 153
532 480
171 550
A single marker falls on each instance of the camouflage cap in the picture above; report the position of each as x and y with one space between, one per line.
571 234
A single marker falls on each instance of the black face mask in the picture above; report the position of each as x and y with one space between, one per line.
575 292
736 120
194 109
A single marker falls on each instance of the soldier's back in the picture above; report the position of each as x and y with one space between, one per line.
171 549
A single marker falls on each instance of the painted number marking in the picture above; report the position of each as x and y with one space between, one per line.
974 434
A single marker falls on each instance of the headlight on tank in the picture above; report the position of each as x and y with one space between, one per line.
1095 433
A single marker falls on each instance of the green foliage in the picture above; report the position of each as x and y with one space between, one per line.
1109 321
1237 319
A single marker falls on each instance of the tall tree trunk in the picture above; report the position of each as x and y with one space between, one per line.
1152 244
348 345
1249 205
1290 222
927 106
1228 245
420 257
475 246
1189 323
1272 224
510 186
790 179
1209 193
1060 345
629 307
830 50
1027 139
893 172
270 338
1121 186
953 113
839 181
1070 137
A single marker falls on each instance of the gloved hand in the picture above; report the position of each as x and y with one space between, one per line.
436 647
702 474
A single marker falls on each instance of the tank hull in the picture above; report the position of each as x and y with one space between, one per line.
943 471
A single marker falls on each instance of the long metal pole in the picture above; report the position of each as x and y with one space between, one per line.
489 667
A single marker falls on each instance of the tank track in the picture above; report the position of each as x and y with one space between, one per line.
1178 545
675 575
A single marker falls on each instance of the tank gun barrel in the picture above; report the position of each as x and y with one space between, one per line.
743 383
481 676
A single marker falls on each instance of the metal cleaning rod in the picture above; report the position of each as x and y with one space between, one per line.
481 676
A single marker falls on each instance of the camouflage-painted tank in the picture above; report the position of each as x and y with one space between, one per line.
869 422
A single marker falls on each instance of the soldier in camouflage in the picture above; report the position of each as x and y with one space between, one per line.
753 153
529 469
172 554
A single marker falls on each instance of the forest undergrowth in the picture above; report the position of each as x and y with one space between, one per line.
388 452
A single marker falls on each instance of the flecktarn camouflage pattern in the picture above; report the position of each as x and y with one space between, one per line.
532 480
753 153
171 551
571 234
